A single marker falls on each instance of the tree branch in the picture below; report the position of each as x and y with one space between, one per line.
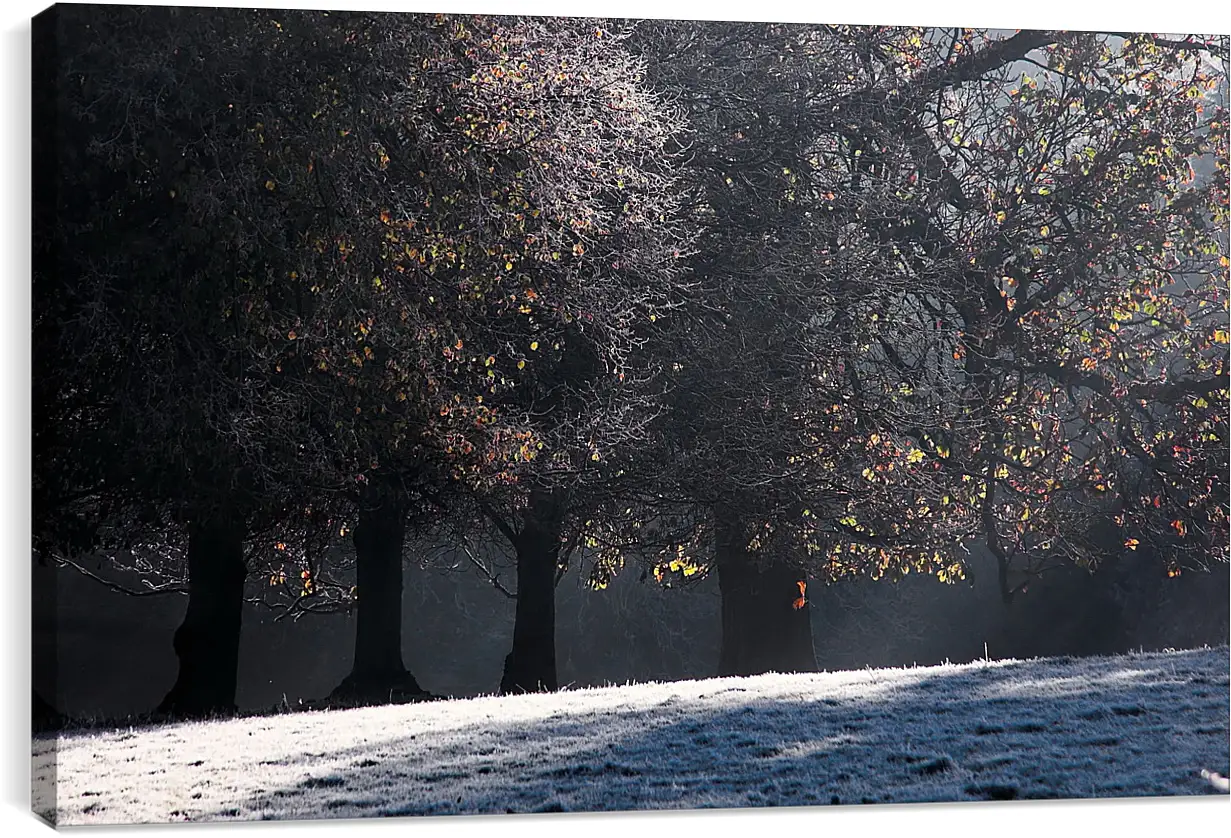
151 590
491 577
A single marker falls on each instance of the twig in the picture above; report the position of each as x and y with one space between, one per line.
150 590
493 578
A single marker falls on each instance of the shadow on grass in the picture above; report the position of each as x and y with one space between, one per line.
1134 726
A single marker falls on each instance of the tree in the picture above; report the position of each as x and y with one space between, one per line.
570 137
925 319
166 266
762 348
1074 358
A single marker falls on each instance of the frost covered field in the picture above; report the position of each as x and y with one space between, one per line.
1151 724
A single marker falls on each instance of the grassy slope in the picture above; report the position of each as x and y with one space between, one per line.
1096 727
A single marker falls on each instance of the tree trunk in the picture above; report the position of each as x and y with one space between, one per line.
378 673
531 665
207 642
766 626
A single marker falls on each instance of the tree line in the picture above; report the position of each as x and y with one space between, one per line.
781 303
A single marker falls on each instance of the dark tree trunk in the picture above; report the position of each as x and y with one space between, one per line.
207 642
378 673
531 665
763 630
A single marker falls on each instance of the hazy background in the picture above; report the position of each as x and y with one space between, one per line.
114 654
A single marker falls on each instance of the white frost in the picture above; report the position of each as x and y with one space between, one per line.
1135 725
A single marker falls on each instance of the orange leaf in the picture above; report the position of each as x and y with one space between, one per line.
801 600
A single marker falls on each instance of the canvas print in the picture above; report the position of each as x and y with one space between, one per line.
443 414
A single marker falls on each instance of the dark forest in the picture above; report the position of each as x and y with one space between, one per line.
381 358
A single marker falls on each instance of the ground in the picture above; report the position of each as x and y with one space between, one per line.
1126 726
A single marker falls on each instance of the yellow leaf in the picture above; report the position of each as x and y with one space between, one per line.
1044 230
521 365
534 345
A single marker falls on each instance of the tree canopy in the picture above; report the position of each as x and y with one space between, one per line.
785 302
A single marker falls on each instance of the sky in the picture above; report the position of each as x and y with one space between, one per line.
15 428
